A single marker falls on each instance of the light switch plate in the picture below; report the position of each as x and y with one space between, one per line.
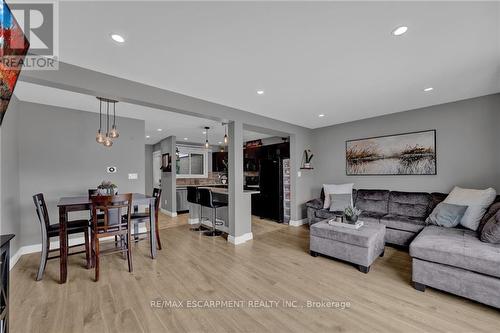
299 173
132 176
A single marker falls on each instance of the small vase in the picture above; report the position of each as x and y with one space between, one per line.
351 219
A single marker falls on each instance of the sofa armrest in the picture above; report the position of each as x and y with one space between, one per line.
315 203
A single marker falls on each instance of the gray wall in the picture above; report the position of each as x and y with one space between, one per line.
148 169
467 146
169 179
58 156
10 193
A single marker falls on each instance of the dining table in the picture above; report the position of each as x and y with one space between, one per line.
83 203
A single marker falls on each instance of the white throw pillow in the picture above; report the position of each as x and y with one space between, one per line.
477 201
336 189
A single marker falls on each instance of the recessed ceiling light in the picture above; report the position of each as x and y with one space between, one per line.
204 132
428 89
321 115
118 38
220 142
400 31
159 130
147 136
185 139
260 92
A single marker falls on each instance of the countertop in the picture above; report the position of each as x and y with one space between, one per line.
222 190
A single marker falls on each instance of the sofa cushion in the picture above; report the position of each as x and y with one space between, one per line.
324 214
490 233
457 247
339 202
405 223
322 195
413 204
446 215
371 217
365 236
336 189
374 201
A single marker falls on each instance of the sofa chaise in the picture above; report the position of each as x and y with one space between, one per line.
449 259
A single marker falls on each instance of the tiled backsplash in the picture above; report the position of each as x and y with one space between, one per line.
213 178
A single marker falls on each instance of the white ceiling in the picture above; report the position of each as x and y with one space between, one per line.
171 123
335 58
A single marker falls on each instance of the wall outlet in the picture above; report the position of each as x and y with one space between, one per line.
132 176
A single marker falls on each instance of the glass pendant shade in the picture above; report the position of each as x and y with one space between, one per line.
206 144
225 139
114 132
107 142
99 137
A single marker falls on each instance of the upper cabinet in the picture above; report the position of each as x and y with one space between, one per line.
219 162
191 162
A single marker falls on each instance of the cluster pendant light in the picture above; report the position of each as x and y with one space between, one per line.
105 139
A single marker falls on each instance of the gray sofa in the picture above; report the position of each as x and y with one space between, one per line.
450 259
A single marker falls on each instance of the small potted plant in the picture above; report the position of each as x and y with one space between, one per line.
107 188
308 157
351 214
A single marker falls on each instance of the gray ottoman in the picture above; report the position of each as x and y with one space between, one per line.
360 247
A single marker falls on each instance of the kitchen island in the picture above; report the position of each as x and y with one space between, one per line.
221 194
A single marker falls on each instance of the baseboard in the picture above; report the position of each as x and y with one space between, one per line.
193 221
297 223
240 239
27 249
169 213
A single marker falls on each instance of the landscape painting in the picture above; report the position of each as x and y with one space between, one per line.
402 154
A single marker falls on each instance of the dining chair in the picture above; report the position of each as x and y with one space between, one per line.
138 218
115 223
52 230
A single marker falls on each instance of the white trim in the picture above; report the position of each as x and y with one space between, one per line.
297 223
169 213
240 239
193 220
27 249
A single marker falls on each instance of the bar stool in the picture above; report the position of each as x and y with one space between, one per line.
205 199
192 197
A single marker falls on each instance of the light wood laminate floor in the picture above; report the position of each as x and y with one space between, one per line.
274 266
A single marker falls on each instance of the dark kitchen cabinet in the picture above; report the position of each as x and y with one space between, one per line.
218 160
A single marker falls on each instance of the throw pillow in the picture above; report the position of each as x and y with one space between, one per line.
446 215
477 201
491 230
336 189
339 202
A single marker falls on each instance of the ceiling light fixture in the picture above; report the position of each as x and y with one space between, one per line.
100 137
428 89
260 92
185 139
118 38
207 145
226 138
400 30
147 136
159 130
321 115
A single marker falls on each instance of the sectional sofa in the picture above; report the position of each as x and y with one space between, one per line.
449 259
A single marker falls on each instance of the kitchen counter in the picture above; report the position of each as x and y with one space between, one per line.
222 190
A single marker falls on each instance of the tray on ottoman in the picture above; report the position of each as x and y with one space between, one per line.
360 247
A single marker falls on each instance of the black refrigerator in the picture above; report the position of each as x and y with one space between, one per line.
271 189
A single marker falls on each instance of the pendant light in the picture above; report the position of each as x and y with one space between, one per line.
99 136
114 132
207 145
226 139
107 141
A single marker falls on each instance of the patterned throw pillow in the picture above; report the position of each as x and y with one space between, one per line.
491 230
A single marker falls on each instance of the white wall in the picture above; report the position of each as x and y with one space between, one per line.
467 146
58 155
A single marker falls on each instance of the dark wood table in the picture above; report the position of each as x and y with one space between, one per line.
82 203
